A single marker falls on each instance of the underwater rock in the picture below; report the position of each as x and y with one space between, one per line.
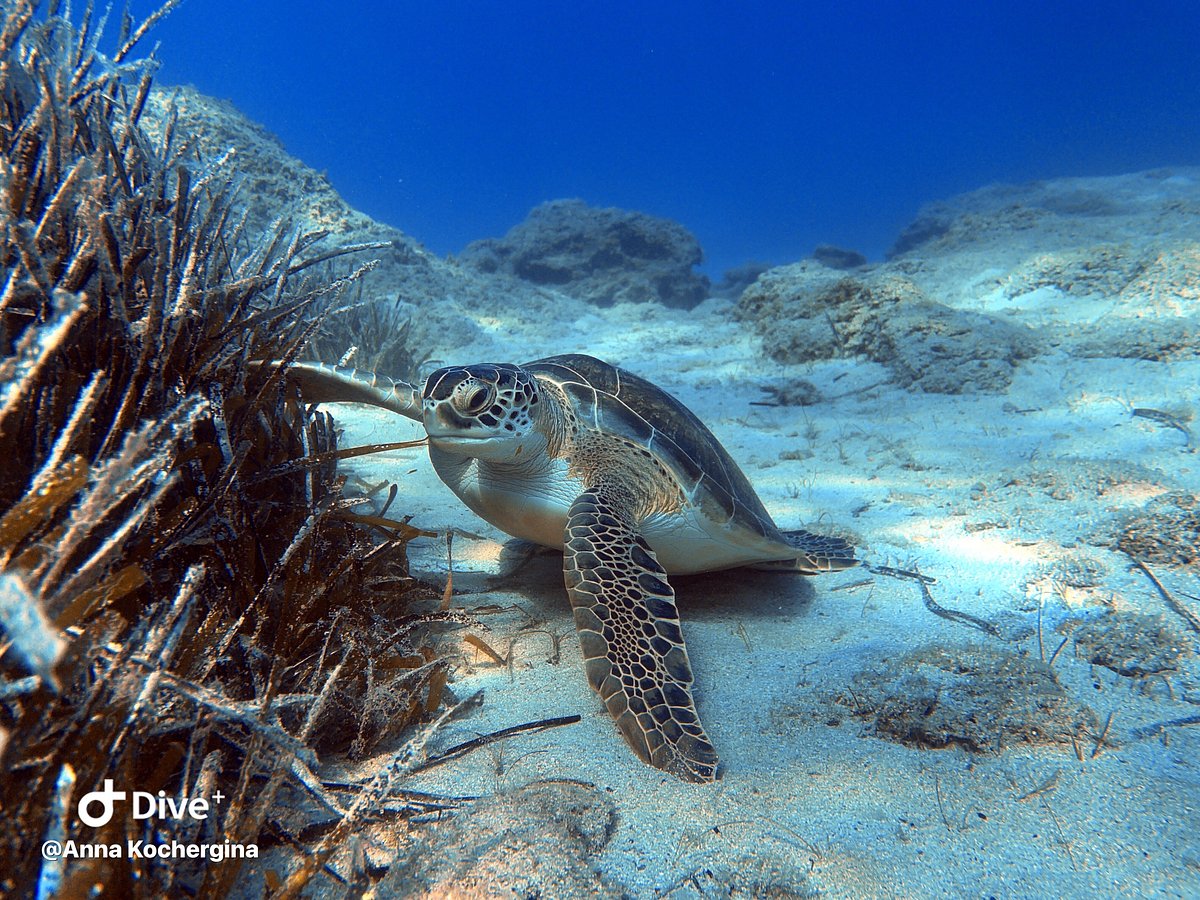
976 698
1102 270
1132 644
1154 340
804 315
737 279
1158 291
540 840
838 258
603 256
1069 200
1062 214
1166 281
932 223
1099 267
950 226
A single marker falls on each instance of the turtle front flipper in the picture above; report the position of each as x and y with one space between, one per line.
323 383
629 629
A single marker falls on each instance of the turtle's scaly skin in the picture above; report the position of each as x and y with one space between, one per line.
628 626
578 455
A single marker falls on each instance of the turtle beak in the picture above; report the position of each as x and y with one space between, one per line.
443 424
435 424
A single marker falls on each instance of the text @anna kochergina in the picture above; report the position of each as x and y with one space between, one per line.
140 849
97 808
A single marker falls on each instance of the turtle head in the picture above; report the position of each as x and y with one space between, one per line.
486 411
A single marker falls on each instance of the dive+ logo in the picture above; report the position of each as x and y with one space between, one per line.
96 808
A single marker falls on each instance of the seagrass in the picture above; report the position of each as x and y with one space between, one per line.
187 597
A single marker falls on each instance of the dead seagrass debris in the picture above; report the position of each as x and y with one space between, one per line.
790 392
1158 728
1168 420
1177 605
485 739
923 583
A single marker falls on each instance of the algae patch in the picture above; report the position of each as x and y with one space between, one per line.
1166 531
976 698
536 841
1132 644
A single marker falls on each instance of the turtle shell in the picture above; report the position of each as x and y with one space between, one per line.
618 402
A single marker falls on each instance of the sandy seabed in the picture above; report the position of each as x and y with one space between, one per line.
870 747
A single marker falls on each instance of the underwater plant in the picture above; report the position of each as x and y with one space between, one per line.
372 335
189 601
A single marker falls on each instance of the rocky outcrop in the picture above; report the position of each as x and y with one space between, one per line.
834 257
804 312
981 281
602 256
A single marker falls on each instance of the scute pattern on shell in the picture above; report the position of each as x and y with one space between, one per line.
619 403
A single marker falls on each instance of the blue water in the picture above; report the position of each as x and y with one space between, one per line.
766 128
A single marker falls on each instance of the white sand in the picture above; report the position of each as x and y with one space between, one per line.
806 805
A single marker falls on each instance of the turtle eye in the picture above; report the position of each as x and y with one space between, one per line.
477 400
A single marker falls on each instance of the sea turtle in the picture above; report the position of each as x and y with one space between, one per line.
579 455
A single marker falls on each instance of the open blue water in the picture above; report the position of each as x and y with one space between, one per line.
764 127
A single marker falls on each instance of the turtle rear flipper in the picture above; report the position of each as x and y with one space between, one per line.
816 554
633 647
